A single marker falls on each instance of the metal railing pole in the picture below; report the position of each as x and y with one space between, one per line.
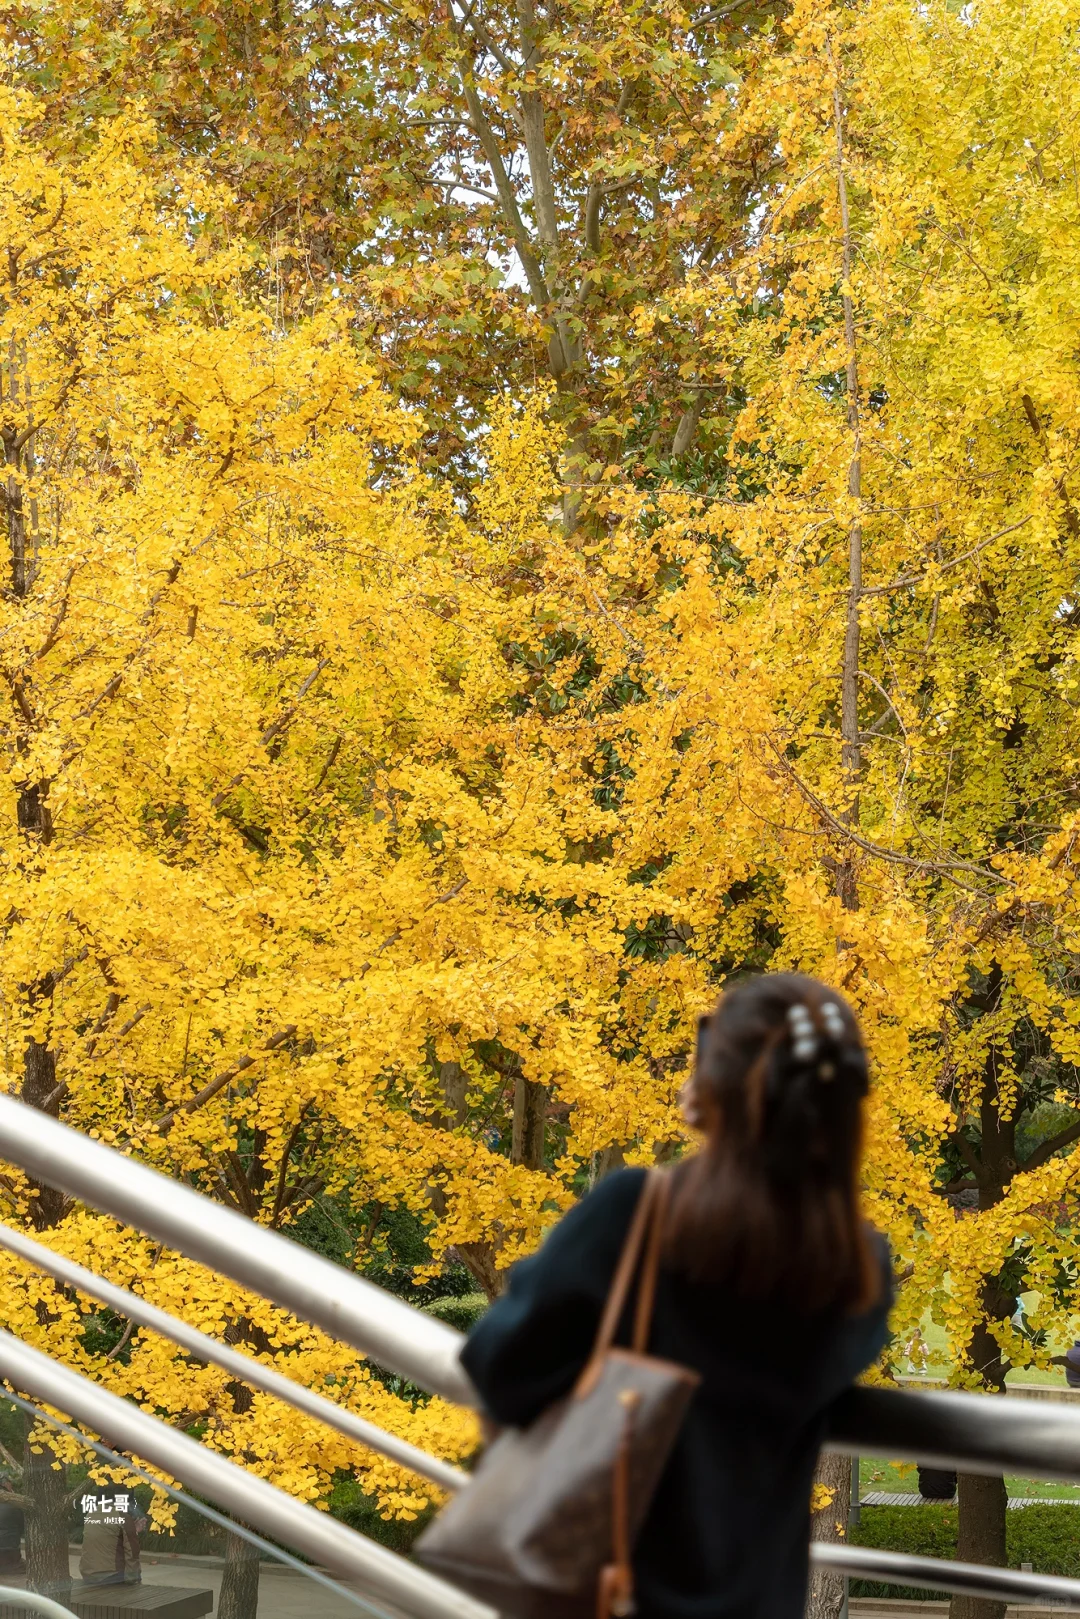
951 1430
356 1312
12 1596
231 1360
244 1495
970 1432
937 1574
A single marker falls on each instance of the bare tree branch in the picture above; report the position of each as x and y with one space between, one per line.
1047 1149
954 562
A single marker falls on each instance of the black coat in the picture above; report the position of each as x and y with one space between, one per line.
726 1534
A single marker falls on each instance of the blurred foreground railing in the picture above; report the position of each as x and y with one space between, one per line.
968 1432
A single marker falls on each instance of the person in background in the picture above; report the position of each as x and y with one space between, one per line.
111 1518
12 1529
1071 1361
765 1242
937 1483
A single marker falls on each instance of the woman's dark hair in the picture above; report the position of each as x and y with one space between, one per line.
771 1205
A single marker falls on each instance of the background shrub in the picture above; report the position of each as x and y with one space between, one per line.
1047 1537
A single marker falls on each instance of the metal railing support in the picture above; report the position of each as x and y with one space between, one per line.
348 1308
352 1557
937 1574
966 1431
231 1360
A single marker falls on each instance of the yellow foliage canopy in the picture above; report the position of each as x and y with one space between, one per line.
366 845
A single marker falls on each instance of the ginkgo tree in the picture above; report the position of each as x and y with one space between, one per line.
894 565
372 844
156 434
288 908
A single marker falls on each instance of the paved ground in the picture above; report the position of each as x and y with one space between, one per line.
880 1608
895 1498
284 1593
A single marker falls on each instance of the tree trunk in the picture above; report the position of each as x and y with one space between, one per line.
481 1261
39 1090
47 1520
981 1539
607 1162
826 1591
454 1082
530 1112
982 1502
239 1597
851 752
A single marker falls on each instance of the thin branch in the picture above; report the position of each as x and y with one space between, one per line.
880 689
124 1341
54 629
1072 523
465 185
112 687
108 1012
279 725
440 899
917 579
279 1196
1047 1149
300 1191
126 1028
328 766
58 1092
208 1092
597 188
273 730
486 43
943 868
18 691
716 14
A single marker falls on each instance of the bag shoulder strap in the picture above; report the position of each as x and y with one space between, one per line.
646 1295
646 1232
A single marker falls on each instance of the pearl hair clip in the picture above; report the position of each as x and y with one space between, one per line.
803 1035
804 1038
833 1019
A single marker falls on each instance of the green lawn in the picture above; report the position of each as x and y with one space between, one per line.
937 1363
899 1477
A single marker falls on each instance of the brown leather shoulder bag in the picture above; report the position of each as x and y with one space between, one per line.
546 1528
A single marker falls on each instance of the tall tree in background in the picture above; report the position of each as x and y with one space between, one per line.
914 508
413 832
499 188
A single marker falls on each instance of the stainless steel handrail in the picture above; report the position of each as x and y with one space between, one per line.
967 1431
975 1433
33 1601
357 1312
952 1429
940 1574
231 1360
316 1534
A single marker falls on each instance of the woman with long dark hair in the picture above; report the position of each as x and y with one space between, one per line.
773 1288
